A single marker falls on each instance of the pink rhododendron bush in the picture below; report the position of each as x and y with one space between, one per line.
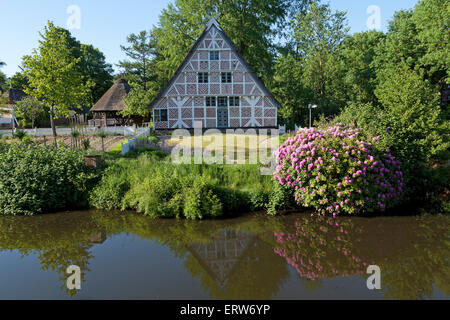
334 171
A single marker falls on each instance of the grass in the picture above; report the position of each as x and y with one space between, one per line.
118 147
151 184
235 148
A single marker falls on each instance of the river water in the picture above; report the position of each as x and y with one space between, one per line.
124 255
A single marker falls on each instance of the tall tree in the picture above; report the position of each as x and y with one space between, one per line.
432 18
307 70
137 101
411 110
356 57
141 52
19 81
53 73
418 37
96 71
3 79
289 89
140 73
318 33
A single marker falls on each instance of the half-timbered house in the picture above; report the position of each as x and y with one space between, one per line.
216 87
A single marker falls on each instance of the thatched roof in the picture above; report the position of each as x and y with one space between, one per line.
112 100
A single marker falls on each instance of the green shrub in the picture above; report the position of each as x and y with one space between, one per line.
281 198
159 188
36 179
412 125
27 140
199 199
334 171
153 139
258 199
109 193
20 134
86 144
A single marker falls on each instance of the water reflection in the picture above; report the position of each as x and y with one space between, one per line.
294 257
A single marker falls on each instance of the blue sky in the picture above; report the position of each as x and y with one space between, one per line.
106 23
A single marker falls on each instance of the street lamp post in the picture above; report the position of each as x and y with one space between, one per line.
310 107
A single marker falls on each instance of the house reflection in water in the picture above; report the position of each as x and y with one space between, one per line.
222 255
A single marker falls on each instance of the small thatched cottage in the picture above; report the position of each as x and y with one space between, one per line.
106 110
214 86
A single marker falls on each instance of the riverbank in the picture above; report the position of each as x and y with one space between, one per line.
37 179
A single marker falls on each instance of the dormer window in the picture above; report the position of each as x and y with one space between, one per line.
214 55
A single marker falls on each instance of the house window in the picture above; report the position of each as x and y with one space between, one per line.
211 101
203 77
222 102
214 55
226 77
160 115
234 102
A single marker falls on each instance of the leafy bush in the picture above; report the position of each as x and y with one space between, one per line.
334 171
86 144
27 140
36 179
109 193
153 139
20 134
412 125
162 189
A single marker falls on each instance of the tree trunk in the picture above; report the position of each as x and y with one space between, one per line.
52 122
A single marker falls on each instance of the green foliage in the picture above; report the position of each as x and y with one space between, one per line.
281 198
20 134
356 56
27 140
36 179
112 188
291 91
411 113
310 71
53 73
431 18
137 101
97 74
418 37
3 82
333 171
161 189
19 81
141 52
86 144
29 109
